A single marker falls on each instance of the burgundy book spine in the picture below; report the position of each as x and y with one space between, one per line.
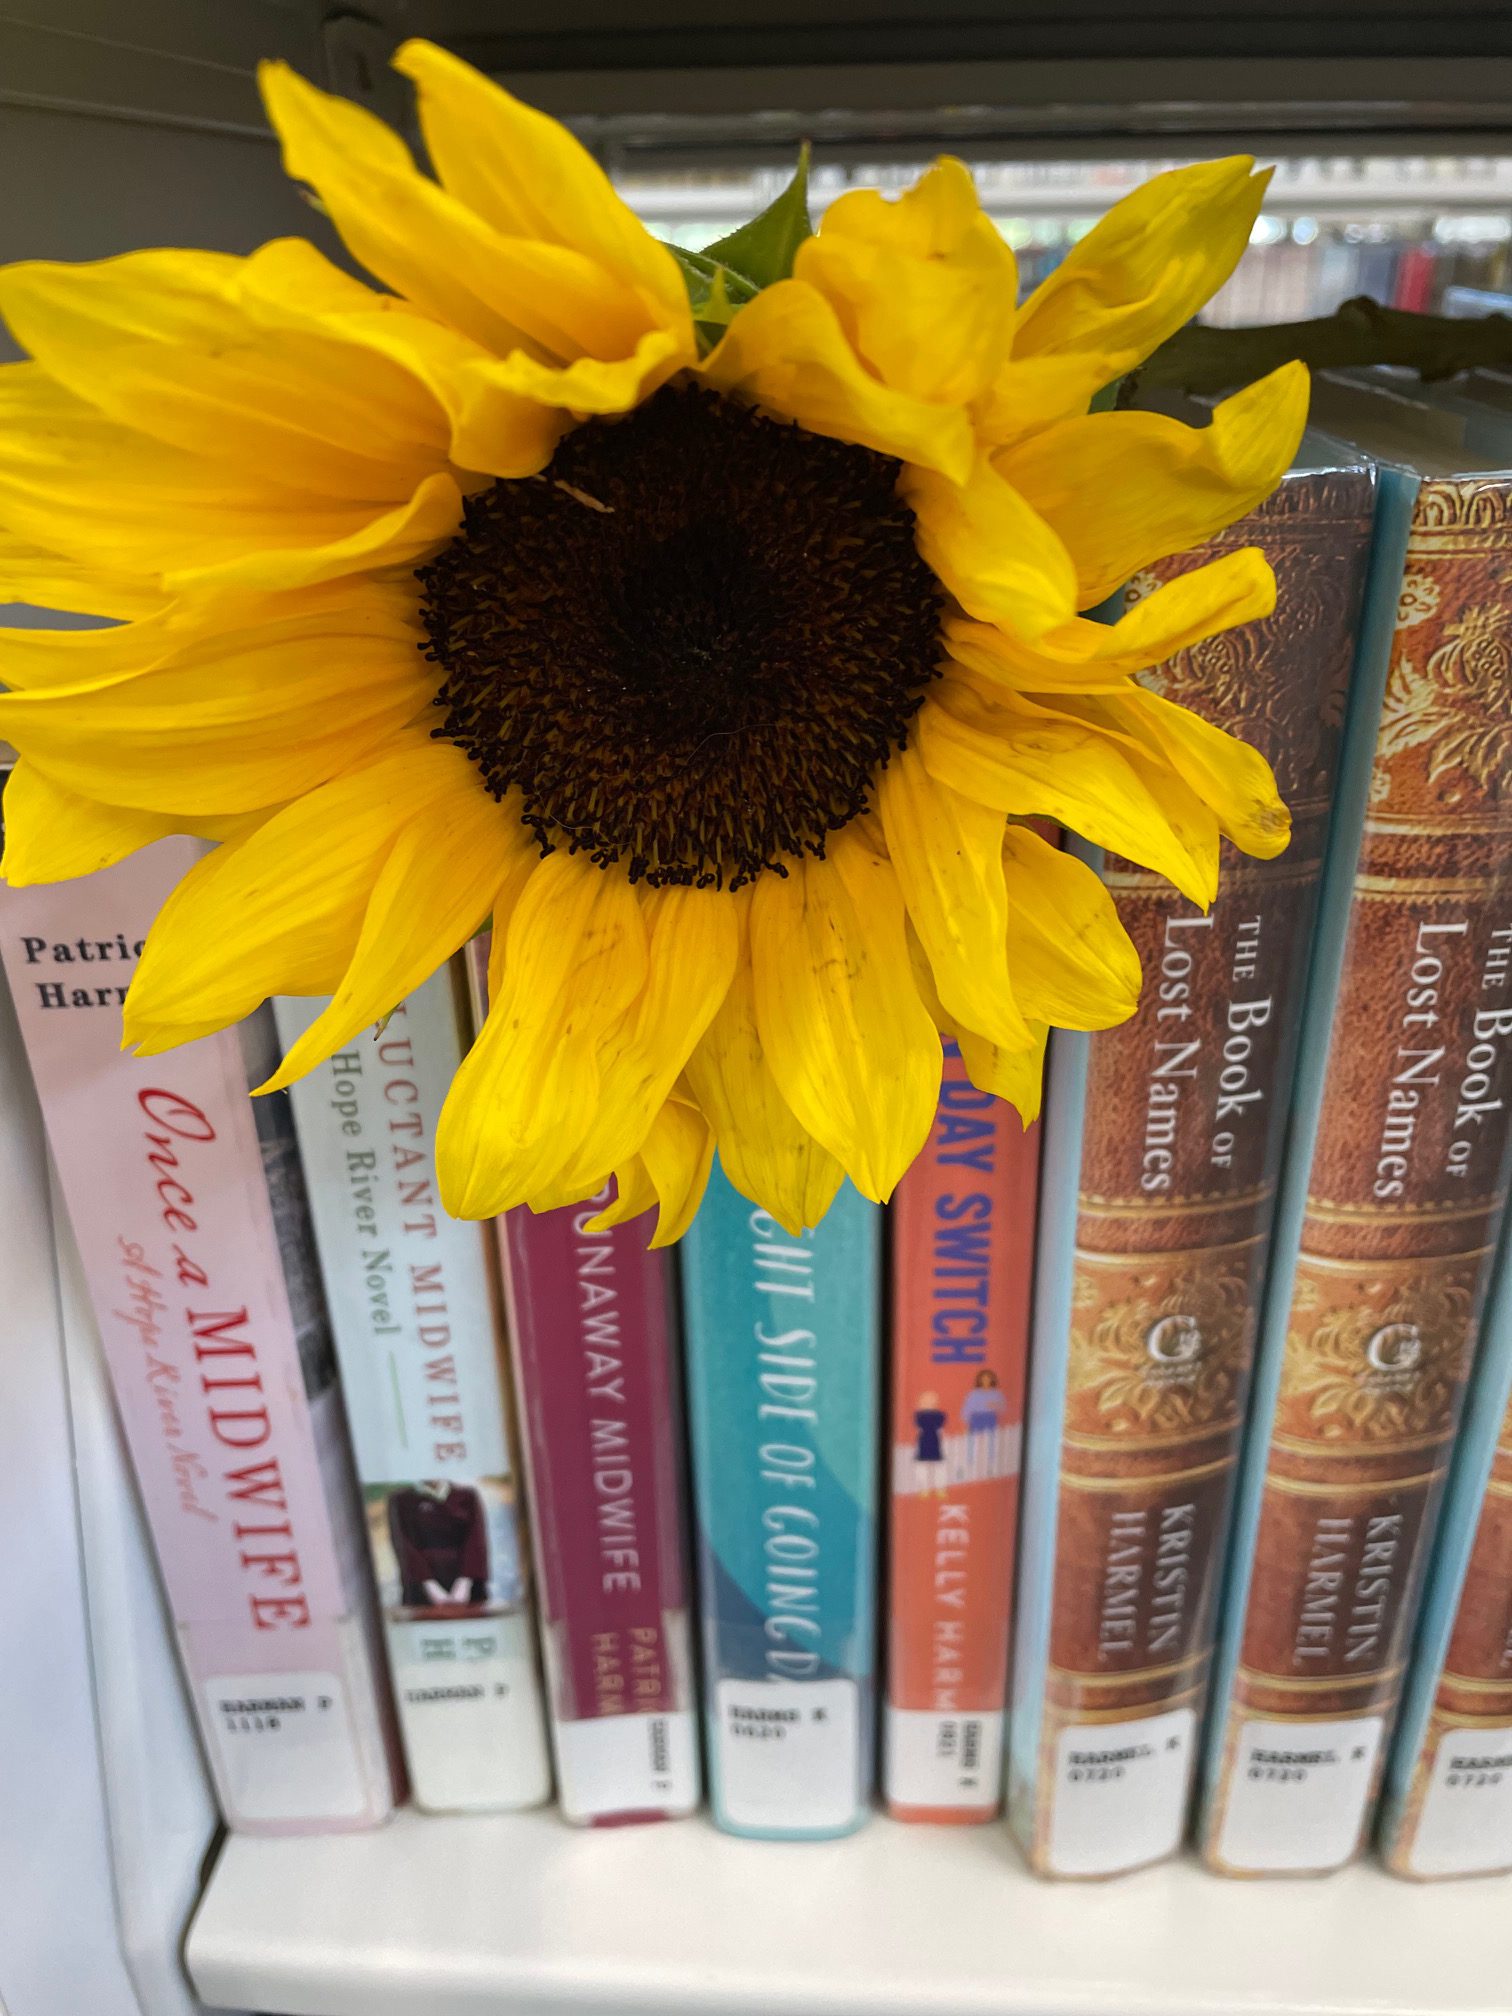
592 1330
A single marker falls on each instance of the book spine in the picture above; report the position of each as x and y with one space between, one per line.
1448 1799
1162 1232
783 1338
1402 1156
592 1318
218 1354
593 1326
416 1325
962 1228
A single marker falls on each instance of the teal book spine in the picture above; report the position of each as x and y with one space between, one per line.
783 1338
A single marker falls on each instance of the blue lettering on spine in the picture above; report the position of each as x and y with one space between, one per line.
966 1136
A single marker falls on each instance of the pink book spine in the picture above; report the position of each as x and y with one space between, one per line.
187 1208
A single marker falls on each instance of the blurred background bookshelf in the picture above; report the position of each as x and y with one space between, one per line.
1425 232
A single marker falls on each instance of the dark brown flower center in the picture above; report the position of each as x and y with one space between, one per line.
691 642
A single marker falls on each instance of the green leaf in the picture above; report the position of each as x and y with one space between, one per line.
764 250
715 294
711 286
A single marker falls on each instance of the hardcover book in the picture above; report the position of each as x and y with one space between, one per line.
592 1318
188 1205
962 1249
418 1336
1163 1150
1396 1176
783 1338
1447 1805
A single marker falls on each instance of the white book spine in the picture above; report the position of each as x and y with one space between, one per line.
415 1318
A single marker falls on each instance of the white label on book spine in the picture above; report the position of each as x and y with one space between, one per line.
943 1760
1297 1794
472 1726
285 1746
1120 1793
788 1752
1466 1823
609 1764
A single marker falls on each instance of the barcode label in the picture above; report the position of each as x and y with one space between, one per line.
284 1746
1465 1827
942 1760
1120 1793
1297 1794
470 1713
615 1764
789 1753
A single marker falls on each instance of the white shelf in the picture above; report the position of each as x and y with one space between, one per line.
523 1915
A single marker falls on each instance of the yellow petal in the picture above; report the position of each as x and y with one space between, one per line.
1072 961
435 889
924 284
570 962
522 433
787 351
763 1150
1124 489
167 343
492 397
947 850
671 1172
1140 273
1084 656
678 1155
224 721
51 581
504 292
1033 762
280 911
1229 776
528 177
78 484
850 1044
316 546
41 659
992 550
634 1196
691 945
53 834
1014 1075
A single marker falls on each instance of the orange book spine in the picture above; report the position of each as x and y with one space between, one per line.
963 1236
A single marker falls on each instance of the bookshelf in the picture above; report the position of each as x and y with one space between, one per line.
438 1917
1325 185
155 137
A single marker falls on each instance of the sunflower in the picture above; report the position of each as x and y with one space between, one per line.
712 624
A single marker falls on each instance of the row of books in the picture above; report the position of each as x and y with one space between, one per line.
1305 266
1250 1305
1296 267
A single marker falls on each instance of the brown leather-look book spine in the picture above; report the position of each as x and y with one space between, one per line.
1184 1113
1407 1180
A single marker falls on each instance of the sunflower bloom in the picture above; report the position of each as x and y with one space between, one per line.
719 652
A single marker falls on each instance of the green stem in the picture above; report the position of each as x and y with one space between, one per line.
1198 359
